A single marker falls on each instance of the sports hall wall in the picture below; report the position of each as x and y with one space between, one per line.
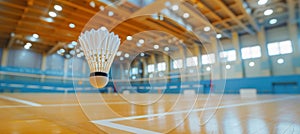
21 68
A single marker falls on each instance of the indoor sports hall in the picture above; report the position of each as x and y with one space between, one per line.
150 66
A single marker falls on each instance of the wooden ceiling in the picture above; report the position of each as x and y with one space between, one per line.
20 19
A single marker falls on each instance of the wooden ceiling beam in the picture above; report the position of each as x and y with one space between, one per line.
249 17
233 16
200 5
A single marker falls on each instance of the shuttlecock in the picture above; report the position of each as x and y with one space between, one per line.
99 47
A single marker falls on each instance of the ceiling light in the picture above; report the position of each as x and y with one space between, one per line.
121 58
219 36
138 44
72 25
57 7
206 29
110 13
208 68
74 43
119 53
227 66
186 15
101 8
175 7
35 36
103 28
52 14
251 64
70 45
166 49
68 56
77 50
280 61
156 46
92 4
72 52
48 19
62 50
268 12
27 45
126 55
273 21
141 41
142 54
129 37
262 2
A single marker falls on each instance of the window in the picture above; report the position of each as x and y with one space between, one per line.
134 70
277 48
161 66
191 61
251 52
208 59
229 55
150 68
177 64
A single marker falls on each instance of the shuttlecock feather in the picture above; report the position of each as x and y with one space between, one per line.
99 47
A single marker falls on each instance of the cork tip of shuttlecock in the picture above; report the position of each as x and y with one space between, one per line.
98 79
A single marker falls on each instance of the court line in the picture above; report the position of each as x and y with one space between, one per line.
20 101
105 121
83 104
127 128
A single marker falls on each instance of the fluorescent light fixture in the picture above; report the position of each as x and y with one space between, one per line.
262 2
27 45
142 54
273 21
280 61
110 13
156 46
35 36
166 49
103 28
119 53
141 41
219 36
126 55
186 15
92 4
227 67
175 7
268 12
72 25
129 38
52 14
58 8
206 29
251 64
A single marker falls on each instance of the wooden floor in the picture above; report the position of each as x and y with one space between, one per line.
148 113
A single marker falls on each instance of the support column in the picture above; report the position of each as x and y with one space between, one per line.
43 66
239 61
261 35
4 60
4 57
293 34
66 61
217 72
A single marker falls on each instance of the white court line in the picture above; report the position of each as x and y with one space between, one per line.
127 128
106 122
20 101
83 104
